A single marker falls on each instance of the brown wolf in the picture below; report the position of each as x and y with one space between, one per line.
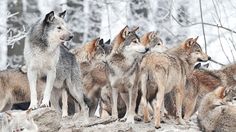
15 88
122 64
214 114
167 71
199 83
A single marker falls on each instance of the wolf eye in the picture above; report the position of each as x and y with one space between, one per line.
58 27
22 129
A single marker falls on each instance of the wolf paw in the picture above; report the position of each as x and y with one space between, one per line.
130 120
181 121
33 106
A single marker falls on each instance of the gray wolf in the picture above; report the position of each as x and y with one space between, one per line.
42 52
153 42
122 65
215 114
15 88
19 121
90 57
168 71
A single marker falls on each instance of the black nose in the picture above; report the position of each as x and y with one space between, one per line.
209 58
146 49
71 36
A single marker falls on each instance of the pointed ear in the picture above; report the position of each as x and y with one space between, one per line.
9 116
135 29
125 32
49 18
219 92
195 40
151 35
108 41
101 42
97 41
188 42
62 14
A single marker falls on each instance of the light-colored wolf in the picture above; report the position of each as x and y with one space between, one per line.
18 121
215 114
42 52
168 71
122 65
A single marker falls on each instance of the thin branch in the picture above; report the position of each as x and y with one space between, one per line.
222 46
207 24
203 30
217 62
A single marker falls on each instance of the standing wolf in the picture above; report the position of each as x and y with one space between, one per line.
122 65
169 70
42 52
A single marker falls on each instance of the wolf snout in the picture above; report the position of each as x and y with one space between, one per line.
70 37
146 49
209 58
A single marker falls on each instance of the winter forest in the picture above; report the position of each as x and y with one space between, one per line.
214 21
174 20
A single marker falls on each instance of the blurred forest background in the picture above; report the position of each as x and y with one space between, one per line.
214 21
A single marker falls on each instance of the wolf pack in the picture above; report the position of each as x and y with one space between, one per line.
130 78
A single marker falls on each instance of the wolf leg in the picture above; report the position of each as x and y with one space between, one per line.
114 102
32 77
179 101
125 97
144 101
189 108
51 76
64 103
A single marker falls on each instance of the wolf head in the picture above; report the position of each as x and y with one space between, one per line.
194 51
90 50
21 122
55 30
153 42
128 42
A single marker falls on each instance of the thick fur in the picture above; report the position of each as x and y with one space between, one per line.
214 114
19 121
199 83
168 71
122 65
42 53
15 88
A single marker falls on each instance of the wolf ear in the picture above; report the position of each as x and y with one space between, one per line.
195 40
219 92
188 42
108 41
125 32
135 29
101 42
152 35
62 14
49 18
97 41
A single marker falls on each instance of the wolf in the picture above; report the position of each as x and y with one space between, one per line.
90 57
168 71
19 121
42 52
15 88
215 114
201 82
153 42
122 64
